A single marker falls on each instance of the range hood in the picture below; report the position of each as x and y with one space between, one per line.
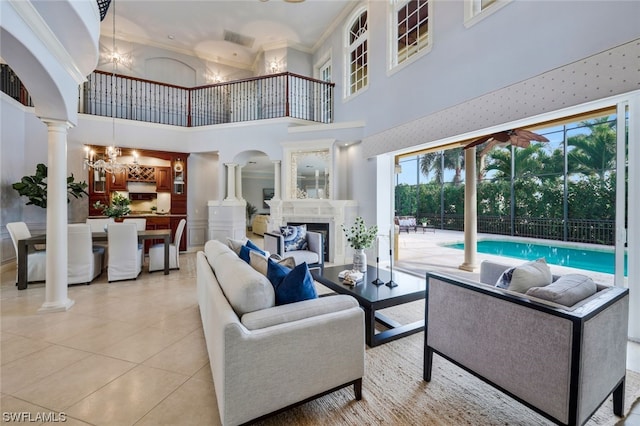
142 187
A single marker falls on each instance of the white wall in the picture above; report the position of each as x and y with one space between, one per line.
520 41
252 191
141 55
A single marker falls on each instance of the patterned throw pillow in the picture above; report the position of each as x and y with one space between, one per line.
295 237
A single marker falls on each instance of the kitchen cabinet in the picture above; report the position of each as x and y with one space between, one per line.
163 179
117 181
93 198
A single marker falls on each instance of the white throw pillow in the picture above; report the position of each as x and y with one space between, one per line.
259 262
531 274
567 290
235 245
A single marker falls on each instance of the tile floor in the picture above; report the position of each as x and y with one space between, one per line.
126 353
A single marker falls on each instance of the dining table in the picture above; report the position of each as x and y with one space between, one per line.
147 234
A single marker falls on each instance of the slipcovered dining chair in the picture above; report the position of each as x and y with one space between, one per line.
141 223
156 251
84 260
125 255
99 225
37 259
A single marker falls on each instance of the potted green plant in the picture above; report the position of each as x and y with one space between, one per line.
251 210
119 206
35 187
360 237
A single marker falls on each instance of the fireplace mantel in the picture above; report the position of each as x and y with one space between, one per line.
334 212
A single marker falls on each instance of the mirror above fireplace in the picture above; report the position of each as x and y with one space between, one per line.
309 171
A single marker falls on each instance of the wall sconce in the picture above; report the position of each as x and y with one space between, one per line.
275 66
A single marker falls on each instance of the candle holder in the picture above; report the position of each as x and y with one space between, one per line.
377 281
391 283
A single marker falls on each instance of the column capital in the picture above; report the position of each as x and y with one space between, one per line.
51 122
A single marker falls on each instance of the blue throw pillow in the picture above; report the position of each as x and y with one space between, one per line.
245 249
251 245
295 237
291 285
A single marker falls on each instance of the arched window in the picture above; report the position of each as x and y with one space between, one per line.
357 56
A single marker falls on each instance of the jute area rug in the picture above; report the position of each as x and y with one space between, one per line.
395 394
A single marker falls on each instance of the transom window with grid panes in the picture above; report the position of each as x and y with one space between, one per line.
357 37
410 24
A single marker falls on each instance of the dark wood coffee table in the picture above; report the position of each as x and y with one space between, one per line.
372 297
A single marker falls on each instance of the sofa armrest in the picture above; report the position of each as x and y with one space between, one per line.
297 311
289 362
273 243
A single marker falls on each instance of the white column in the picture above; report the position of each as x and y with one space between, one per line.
231 181
56 277
239 183
470 212
633 210
277 180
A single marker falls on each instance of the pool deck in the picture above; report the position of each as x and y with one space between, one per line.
420 252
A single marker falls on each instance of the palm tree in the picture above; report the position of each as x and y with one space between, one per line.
527 161
595 153
453 160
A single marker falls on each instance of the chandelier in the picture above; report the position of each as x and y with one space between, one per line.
109 161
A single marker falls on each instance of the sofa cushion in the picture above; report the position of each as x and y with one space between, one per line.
522 278
246 289
298 311
291 285
295 237
301 256
567 290
259 262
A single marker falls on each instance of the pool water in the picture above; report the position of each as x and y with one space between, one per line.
590 260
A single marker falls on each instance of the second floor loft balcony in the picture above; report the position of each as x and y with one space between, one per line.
272 96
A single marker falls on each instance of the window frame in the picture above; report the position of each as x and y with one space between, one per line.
350 47
423 47
474 14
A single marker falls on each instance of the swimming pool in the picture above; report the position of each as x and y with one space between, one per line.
590 260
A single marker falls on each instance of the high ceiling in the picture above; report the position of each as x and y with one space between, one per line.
199 27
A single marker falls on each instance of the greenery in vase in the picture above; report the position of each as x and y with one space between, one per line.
359 236
35 187
251 210
118 208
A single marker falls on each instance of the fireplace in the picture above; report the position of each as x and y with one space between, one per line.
322 228
323 215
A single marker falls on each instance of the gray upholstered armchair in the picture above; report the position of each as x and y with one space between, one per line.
314 253
562 362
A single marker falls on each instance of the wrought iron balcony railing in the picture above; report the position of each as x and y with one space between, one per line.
272 96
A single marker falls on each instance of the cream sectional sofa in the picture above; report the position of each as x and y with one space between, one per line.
561 361
266 358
